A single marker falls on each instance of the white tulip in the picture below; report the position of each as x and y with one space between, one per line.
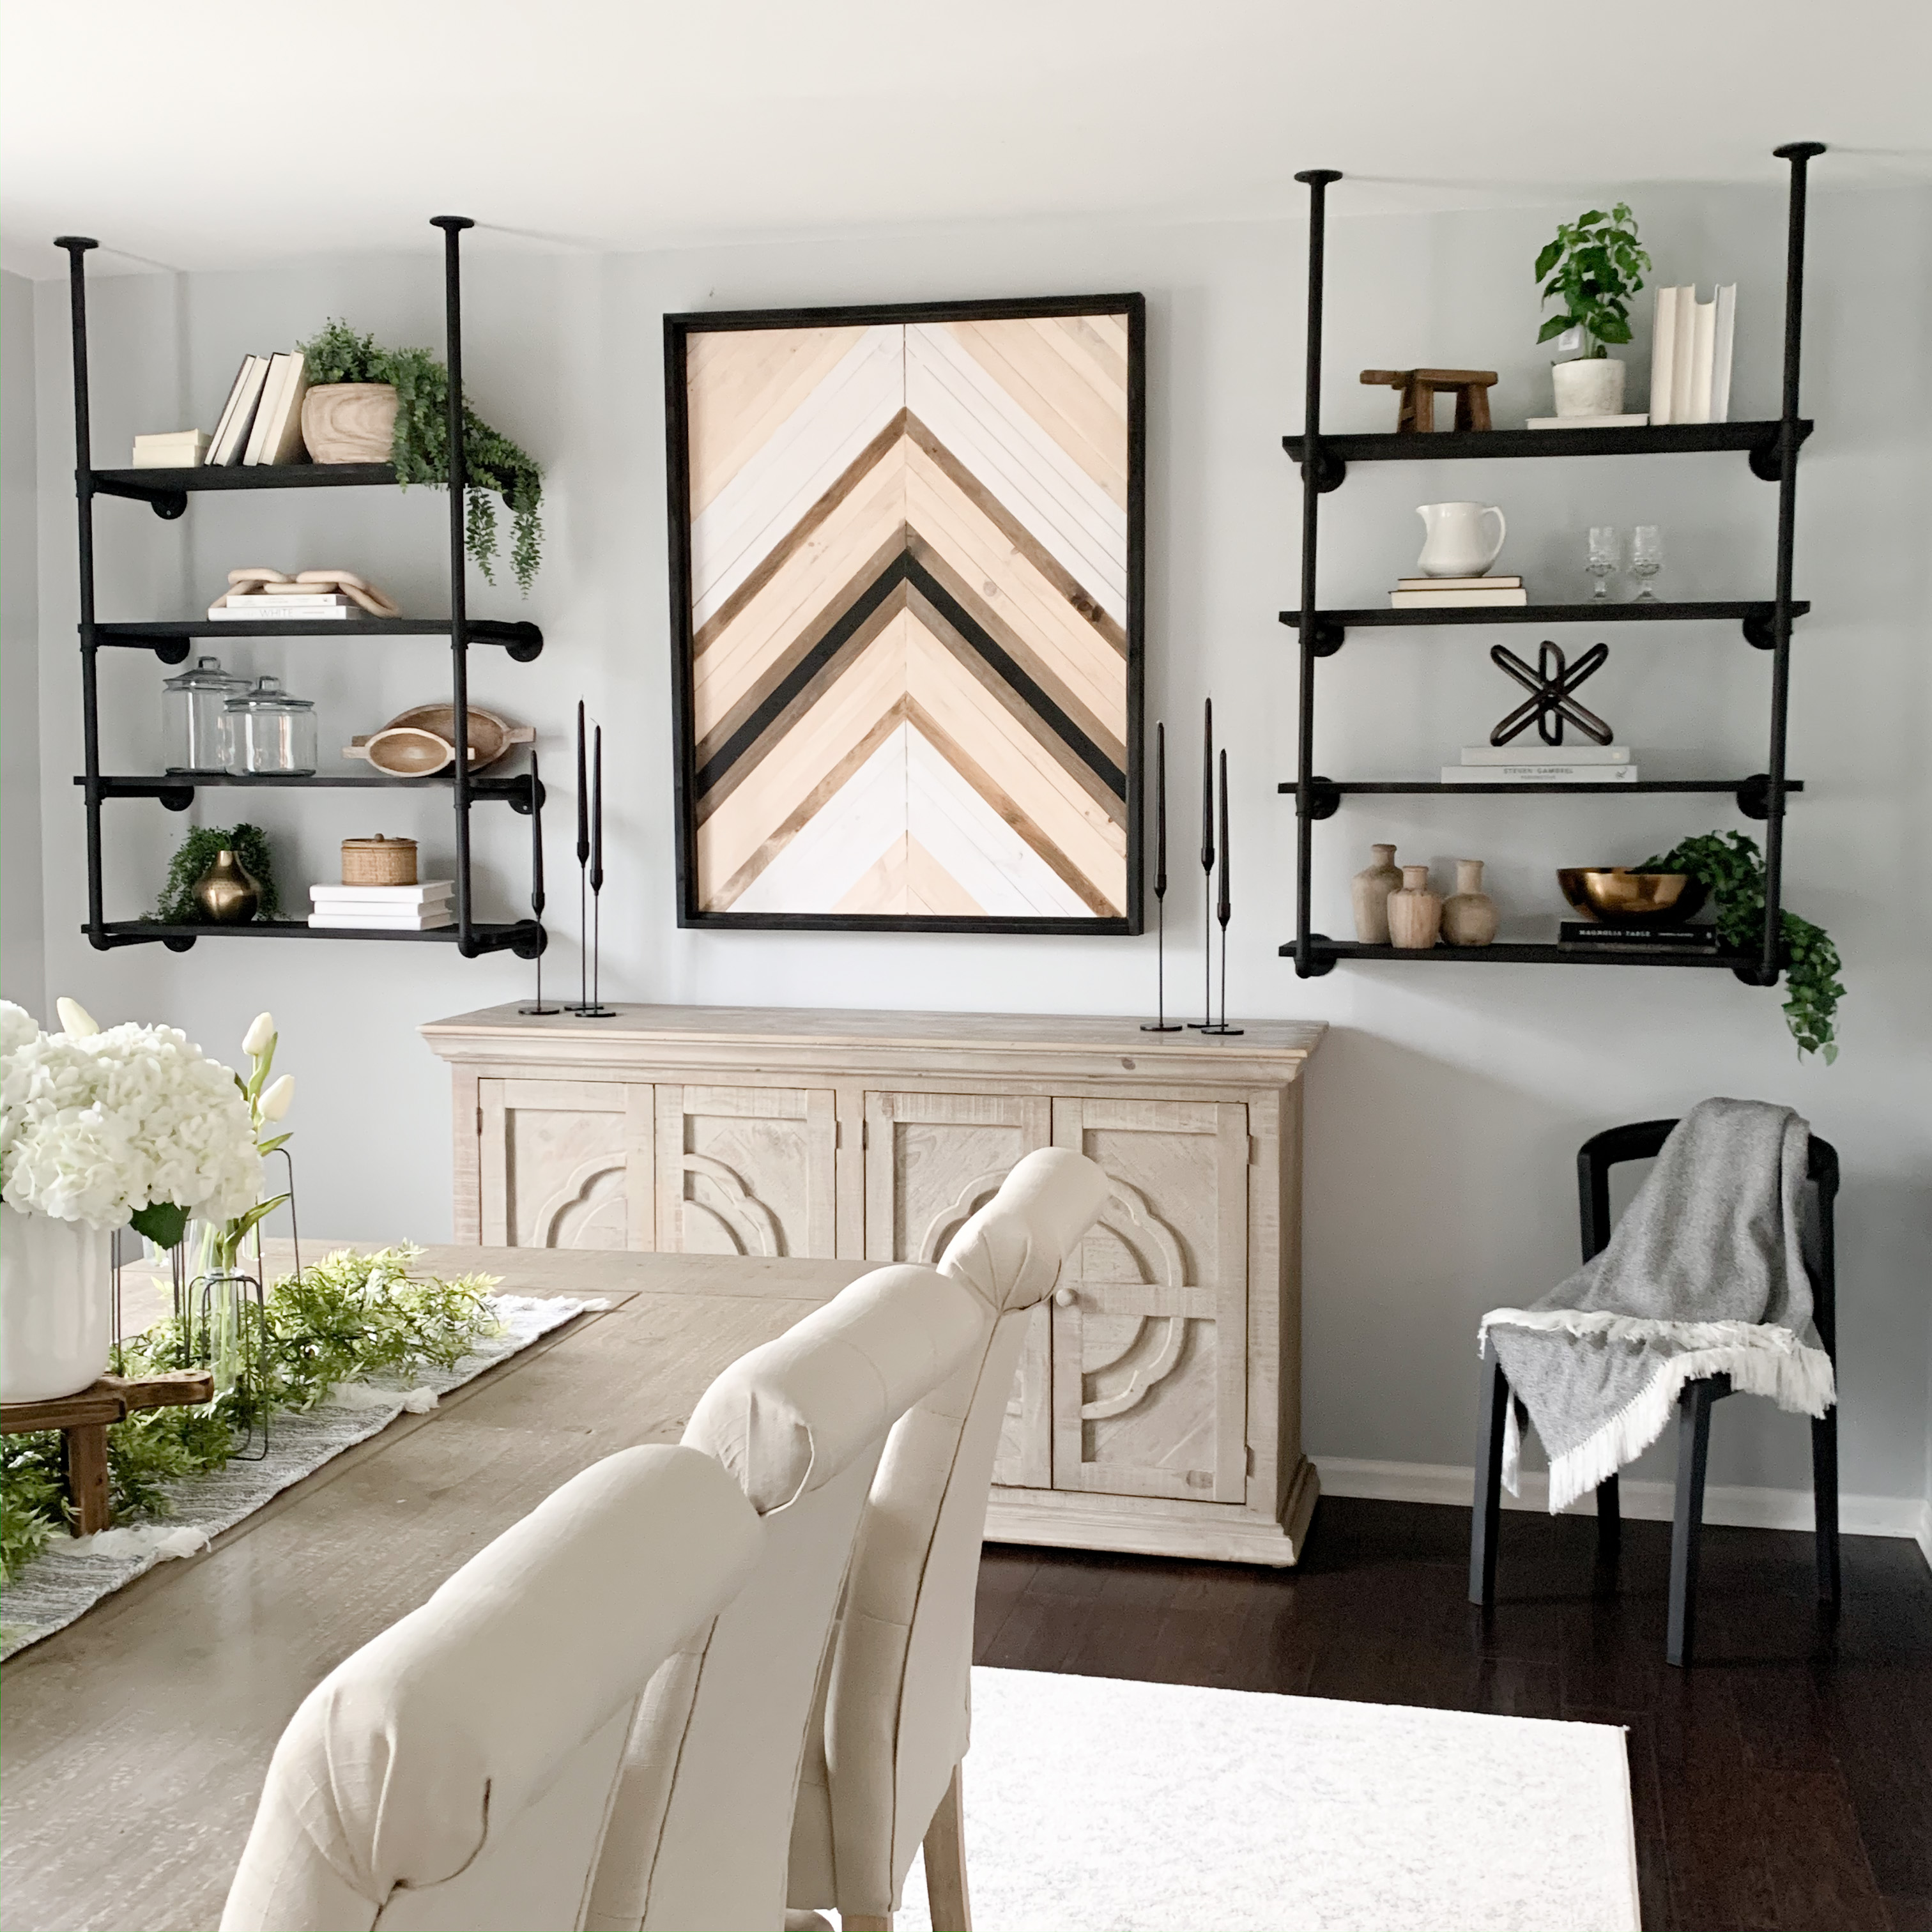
260 1033
280 1097
76 1022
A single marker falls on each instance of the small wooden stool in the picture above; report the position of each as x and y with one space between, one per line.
83 1420
1421 387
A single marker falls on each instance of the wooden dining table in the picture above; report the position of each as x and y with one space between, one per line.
133 1743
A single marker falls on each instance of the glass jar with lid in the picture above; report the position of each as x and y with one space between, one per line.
192 716
269 732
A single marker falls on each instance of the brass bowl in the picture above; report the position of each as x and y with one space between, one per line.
1615 895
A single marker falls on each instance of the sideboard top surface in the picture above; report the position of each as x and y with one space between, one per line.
1282 1044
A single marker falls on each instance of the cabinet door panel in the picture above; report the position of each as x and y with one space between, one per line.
746 1170
1150 1352
931 1160
566 1163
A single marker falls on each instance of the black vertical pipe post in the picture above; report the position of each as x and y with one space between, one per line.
1318 180
452 226
1798 153
77 247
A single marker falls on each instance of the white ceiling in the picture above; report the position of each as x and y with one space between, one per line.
214 134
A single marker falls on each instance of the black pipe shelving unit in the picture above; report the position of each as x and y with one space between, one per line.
166 492
1771 448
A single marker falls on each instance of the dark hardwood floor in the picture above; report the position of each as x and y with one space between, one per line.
1785 1781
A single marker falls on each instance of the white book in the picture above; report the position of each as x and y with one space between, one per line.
252 609
1588 422
368 919
299 599
1459 584
277 434
1452 600
1703 354
430 889
235 389
1683 354
1553 773
1557 754
273 377
170 452
1663 355
1720 359
240 419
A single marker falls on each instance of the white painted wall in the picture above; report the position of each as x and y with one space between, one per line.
1446 1104
22 961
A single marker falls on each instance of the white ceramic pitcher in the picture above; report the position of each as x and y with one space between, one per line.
1456 544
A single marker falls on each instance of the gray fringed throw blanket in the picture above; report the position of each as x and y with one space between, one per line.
1704 1276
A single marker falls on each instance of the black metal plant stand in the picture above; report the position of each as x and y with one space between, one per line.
166 492
1771 448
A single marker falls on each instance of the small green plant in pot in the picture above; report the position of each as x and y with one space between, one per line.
1594 265
420 448
1732 869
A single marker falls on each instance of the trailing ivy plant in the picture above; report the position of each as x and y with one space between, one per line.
421 451
1731 866
347 1317
198 851
1593 265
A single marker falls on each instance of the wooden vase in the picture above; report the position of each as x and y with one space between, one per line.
349 422
1415 913
1370 889
1469 914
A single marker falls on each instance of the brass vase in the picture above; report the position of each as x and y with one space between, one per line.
227 893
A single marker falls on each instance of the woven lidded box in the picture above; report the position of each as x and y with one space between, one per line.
379 862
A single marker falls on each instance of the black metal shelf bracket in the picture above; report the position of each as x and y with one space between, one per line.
1772 449
165 503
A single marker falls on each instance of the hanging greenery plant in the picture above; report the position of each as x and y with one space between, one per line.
492 463
199 851
1730 865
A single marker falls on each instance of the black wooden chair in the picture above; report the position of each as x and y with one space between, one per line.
1594 1160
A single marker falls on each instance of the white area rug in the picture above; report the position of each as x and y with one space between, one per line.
73 1574
1097 1805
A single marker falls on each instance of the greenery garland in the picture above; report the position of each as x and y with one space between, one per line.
420 449
1730 865
345 1319
198 851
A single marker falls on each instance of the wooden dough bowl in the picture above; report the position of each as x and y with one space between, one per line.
417 744
349 422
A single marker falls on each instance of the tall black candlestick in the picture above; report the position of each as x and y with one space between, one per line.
595 1008
537 877
1224 910
1160 1023
582 862
1206 1018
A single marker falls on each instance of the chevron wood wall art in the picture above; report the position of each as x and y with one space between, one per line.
907 564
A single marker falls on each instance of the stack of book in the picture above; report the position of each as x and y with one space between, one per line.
1452 593
1530 761
1690 356
384 908
179 449
1666 938
261 422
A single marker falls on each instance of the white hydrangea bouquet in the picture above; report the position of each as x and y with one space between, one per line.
125 1124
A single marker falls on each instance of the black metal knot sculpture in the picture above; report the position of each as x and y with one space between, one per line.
1552 684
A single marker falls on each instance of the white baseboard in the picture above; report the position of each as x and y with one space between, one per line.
1649 1501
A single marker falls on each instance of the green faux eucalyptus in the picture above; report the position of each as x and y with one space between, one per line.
1593 265
420 452
1731 866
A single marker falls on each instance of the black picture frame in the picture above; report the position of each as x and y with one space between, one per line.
678 330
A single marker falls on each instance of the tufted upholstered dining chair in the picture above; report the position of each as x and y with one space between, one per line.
882 1769
454 1774
699 1831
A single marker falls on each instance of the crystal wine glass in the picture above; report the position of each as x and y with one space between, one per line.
1604 550
1646 560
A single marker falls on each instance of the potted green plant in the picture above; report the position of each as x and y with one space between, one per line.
1593 267
369 404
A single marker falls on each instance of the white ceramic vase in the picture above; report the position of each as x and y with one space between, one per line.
1593 386
56 1306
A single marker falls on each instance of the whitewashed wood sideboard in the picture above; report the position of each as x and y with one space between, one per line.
1157 1406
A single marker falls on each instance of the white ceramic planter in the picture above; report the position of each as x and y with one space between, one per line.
56 1306
1592 386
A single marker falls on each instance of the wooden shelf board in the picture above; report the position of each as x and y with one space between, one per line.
1407 787
243 476
1517 952
1445 445
295 928
1726 611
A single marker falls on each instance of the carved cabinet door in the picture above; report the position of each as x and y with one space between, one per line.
930 1160
746 1171
565 1163
1149 1320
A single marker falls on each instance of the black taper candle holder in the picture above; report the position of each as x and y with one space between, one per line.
1160 1023
537 877
1206 1021
1224 910
583 867
595 1009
